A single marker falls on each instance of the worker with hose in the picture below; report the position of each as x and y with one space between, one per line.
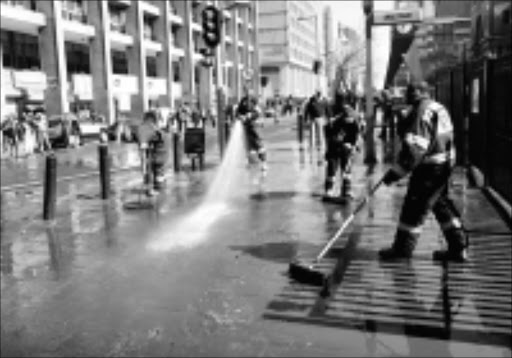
428 153
341 133
154 150
249 112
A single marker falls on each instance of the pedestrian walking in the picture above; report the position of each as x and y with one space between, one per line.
428 154
41 123
288 106
313 115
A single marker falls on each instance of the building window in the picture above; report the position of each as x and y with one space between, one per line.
28 5
176 70
74 10
20 51
149 28
151 66
175 32
77 58
118 20
197 41
196 11
231 77
197 74
173 7
119 62
227 27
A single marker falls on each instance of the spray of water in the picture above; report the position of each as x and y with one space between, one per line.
193 229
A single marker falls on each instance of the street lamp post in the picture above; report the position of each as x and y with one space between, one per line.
315 18
370 155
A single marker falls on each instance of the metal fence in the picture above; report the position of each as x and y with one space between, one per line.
478 96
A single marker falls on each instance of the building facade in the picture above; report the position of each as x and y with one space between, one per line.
328 55
435 43
122 56
290 39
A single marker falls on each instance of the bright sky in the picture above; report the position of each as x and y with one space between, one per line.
350 13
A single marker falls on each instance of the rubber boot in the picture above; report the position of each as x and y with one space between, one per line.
457 247
329 187
262 156
346 188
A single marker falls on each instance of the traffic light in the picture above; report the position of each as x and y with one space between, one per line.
316 66
211 26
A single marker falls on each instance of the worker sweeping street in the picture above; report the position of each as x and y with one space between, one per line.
154 150
428 154
341 133
249 112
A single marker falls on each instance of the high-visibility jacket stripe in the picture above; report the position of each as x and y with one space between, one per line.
409 229
452 224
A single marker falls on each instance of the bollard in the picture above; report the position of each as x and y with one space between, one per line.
300 130
227 132
104 162
50 187
221 119
177 152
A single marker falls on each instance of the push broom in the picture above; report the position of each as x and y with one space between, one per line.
307 273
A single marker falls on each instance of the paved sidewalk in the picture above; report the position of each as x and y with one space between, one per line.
89 286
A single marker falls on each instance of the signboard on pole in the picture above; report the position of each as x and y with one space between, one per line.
394 17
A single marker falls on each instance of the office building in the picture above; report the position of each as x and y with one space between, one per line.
290 38
121 56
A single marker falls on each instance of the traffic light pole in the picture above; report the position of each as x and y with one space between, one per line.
370 155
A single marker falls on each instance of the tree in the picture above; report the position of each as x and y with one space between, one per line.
349 59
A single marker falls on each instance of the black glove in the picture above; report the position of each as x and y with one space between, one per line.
390 177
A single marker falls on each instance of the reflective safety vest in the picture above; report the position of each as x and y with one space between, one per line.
427 137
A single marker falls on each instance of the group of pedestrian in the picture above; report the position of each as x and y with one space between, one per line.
25 133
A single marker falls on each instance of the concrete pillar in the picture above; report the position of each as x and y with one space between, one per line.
137 58
2 96
205 87
186 39
53 58
236 58
255 54
2 89
164 58
101 60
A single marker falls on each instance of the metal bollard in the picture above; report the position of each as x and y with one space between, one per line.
104 162
300 130
50 187
176 151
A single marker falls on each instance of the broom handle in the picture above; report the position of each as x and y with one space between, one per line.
348 221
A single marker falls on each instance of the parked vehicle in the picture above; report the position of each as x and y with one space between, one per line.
64 131
92 127
127 129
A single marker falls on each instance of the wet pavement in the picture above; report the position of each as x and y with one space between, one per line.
91 284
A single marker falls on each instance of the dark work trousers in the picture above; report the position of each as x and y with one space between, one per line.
338 159
428 190
158 157
254 142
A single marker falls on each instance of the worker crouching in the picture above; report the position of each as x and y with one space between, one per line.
341 133
154 146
